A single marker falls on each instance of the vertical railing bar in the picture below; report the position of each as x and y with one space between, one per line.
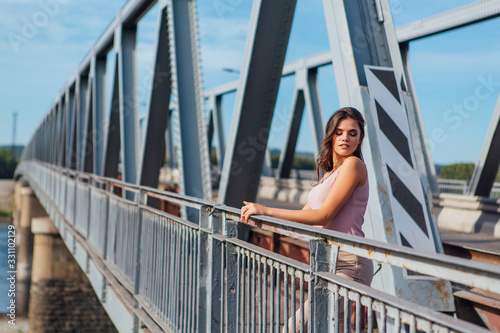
286 310
336 309
163 269
146 259
294 299
179 278
176 277
243 289
397 320
194 281
238 289
189 278
413 326
382 327
347 312
248 291
264 296
168 312
370 315
253 294
160 260
302 302
183 280
278 297
259 291
271 296
359 314
153 269
190 256
161 266
158 263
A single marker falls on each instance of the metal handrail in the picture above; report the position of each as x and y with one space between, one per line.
216 229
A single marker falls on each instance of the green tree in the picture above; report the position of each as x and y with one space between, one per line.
457 171
8 163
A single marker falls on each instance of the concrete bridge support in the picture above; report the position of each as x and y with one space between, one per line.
27 207
62 299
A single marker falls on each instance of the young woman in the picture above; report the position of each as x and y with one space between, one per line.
338 202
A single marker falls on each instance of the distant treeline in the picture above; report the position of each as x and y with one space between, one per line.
8 163
459 171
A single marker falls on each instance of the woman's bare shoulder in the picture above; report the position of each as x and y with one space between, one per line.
353 162
355 166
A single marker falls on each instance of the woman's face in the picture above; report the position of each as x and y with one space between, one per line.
346 137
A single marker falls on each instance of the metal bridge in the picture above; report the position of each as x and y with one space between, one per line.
196 270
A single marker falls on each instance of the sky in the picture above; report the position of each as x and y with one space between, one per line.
456 74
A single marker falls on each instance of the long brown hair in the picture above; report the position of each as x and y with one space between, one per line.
325 159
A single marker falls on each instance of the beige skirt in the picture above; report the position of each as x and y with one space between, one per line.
355 268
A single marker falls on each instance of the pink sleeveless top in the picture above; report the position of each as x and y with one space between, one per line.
350 218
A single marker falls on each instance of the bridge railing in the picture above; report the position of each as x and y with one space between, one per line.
199 276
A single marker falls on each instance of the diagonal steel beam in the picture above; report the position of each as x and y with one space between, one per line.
112 144
153 150
269 31
125 44
288 151
187 86
453 19
489 160
98 69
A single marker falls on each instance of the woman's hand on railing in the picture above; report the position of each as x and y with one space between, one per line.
251 208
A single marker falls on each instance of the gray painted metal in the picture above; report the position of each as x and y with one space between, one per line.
88 139
288 151
71 125
113 136
60 135
217 123
270 24
486 168
81 90
125 43
459 17
178 290
195 179
306 94
98 71
153 151
313 103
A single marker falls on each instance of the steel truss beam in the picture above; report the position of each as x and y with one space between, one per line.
489 160
216 126
456 18
113 132
187 87
306 94
269 30
158 117
124 44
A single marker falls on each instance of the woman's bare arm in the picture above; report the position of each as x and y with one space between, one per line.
352 175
